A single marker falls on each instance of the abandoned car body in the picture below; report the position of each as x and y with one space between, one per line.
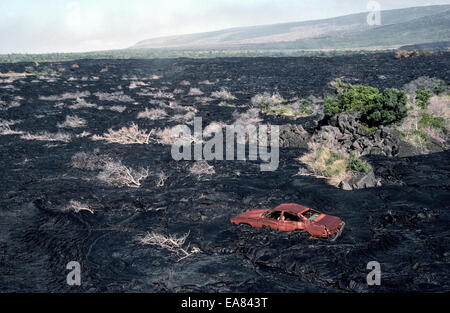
291 217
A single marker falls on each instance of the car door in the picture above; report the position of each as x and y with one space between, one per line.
271 219
290 222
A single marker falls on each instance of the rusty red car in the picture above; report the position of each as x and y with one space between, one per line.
291 217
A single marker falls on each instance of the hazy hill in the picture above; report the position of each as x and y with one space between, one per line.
399 27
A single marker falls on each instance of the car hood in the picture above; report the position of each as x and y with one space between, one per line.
330 222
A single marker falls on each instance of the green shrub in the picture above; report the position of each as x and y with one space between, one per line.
356 164
389 107
423 98
332 106
376 108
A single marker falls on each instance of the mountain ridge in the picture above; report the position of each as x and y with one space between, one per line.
348 31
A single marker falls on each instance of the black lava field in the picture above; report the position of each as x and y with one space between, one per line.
402 224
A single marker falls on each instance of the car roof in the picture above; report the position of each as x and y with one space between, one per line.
291 207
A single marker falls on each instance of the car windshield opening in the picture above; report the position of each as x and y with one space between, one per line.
311 214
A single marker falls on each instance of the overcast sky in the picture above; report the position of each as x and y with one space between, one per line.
39 26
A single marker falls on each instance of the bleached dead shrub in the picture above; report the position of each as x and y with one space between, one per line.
161 181
187 118
115 96
83 134
185 108
72 121
66 96
185 83
125 135
5 127
8 105
267 100
46 136
223 94
135 84
116 174
166 137
6 130
77 207
178 91
212 128
195 92
112 172
204 100
206 82
171 243
153 114
250 117
118 108
162 95
201 168
81 103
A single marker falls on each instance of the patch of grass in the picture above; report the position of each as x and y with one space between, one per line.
298 109
325 162
368 130
335 166
428 121
278 111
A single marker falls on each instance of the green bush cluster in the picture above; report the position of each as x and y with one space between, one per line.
356 164
377 108
423 98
